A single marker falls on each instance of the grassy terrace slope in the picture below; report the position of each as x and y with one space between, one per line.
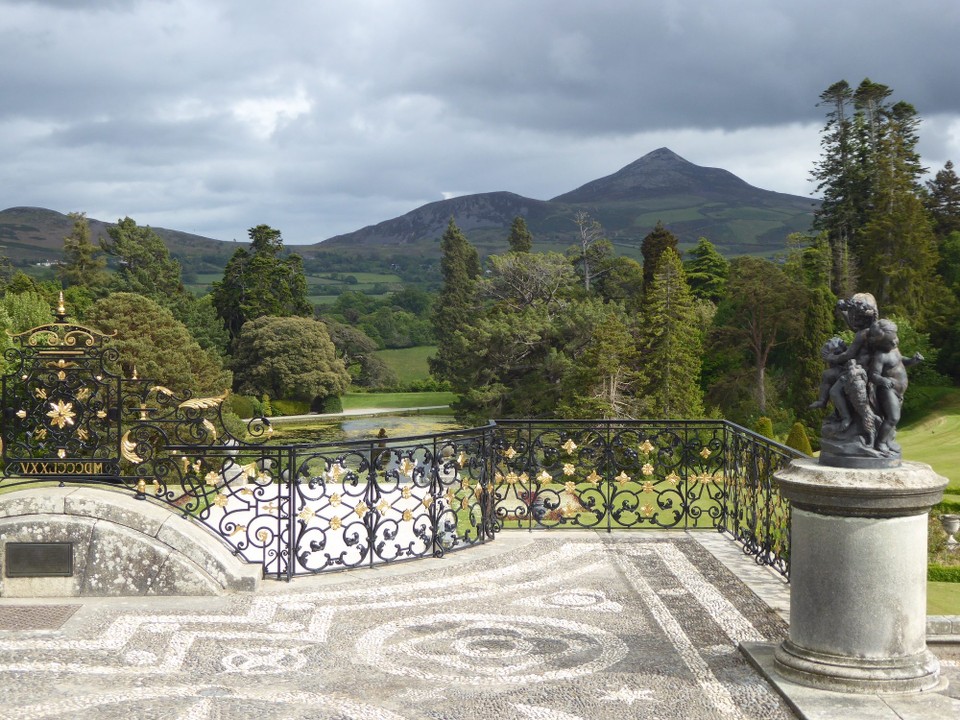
934 439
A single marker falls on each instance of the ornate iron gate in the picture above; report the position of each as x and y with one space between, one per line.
68 413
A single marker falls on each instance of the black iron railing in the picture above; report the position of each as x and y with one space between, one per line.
616 474
68 415
305 509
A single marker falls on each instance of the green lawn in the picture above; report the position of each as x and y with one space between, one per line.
943 598
409 364
933 438
363 401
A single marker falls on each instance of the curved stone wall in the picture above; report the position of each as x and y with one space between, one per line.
121 546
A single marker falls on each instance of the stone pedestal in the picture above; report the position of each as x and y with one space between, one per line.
858 577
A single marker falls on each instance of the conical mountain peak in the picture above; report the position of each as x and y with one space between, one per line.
660 172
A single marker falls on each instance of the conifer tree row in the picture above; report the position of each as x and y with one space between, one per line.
872 211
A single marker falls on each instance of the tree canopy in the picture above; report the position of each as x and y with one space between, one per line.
762 310
82 262
144 265
459 269
520 239
260 281
288 357
671 343
656 242
707 272
159 347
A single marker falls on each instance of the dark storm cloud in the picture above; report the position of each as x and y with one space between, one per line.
320 117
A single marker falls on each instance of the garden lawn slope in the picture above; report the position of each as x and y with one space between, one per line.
935 439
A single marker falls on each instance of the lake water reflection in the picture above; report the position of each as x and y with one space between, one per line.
363 428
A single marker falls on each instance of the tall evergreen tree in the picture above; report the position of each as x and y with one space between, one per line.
455 306
870 175
707 272
671 343
521 240
144 263
808 260
653 246
943 201
836 174
896 244
806 368
82 264
260 281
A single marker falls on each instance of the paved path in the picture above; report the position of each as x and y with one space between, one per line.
531 626
571 626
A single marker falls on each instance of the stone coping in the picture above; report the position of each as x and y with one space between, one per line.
172 539
911 489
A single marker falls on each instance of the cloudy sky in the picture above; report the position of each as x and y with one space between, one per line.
322 116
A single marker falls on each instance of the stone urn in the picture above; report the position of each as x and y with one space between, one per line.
951 526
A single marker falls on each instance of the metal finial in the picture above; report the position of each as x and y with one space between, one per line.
61 309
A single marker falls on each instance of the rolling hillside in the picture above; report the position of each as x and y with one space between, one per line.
692 201
36 235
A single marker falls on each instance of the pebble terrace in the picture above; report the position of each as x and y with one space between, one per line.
578 626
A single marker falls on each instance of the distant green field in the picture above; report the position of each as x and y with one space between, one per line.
207 278
317 300
365 401
362 278
409 363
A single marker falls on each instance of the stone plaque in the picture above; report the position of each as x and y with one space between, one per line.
54 559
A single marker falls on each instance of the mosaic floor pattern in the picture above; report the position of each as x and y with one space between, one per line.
560 629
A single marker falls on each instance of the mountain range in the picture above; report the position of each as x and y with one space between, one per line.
690 200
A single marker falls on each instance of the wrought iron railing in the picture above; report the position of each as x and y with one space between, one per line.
305 509
68 415
616 474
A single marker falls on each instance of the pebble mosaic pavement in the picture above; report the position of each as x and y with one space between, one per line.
559 628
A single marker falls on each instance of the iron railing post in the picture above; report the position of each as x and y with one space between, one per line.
292 512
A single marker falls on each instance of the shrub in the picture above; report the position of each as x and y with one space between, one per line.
290 407
327 405
764 426
946 507
798 439
941 573
244 406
